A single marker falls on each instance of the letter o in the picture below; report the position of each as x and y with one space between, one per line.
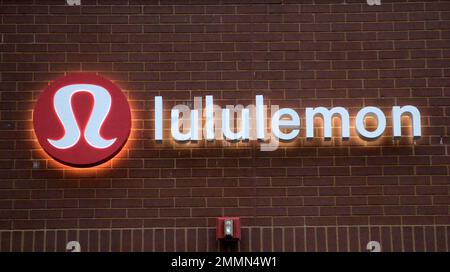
361 128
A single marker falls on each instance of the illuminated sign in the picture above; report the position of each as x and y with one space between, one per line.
82 120
239 123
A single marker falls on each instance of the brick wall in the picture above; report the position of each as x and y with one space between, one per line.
307 195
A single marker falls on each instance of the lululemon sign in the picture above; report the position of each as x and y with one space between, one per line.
82 119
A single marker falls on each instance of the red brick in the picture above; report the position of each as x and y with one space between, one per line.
297 55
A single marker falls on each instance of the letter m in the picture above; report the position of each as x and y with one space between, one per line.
73 2
327 116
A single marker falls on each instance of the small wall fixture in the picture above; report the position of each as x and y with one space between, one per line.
228 229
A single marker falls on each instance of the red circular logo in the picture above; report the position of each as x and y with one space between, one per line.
82 119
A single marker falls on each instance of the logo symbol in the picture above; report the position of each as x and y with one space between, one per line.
73 246
373 246
82 119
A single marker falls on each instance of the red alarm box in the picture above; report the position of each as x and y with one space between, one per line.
228 228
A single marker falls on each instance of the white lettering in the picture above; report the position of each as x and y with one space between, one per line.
278 123
375 113
239 123
327 116
410 111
